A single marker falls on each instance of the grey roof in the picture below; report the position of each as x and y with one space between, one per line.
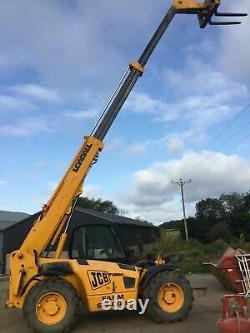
113 217
12 218
8 219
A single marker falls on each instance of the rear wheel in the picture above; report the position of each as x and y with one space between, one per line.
51 306
170 296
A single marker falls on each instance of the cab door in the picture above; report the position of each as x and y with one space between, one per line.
97 242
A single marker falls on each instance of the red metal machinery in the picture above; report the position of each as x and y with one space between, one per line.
234 315
233 270
227 270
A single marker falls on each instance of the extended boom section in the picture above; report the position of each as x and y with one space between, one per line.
39 282
61 202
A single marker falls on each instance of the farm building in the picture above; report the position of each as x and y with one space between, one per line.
92 235
7 219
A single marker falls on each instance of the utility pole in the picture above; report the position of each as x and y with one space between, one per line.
181 183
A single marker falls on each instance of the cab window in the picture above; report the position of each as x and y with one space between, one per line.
96 242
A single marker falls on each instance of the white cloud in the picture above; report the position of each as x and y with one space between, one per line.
175 144
26 127
142 102
3 205
65 43
37 91
208 98
137 149
162 213
92 191
45 193
209 95
234 54
82 114
3 183
8 103
202 78
211 173
40 163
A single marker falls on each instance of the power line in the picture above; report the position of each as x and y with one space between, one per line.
238 143
229 150
219 147
228 125
181 183
242 111
234 135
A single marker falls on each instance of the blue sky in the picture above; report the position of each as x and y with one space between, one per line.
59 62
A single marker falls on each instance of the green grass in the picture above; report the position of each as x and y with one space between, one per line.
190 256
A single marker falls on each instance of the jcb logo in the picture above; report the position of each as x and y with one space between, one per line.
98 279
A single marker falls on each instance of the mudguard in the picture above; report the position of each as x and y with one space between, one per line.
55 269
153 270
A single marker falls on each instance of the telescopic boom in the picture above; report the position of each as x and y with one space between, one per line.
53 222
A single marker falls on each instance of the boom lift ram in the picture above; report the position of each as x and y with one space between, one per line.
49 290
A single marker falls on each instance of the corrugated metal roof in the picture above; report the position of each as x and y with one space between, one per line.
16 217
8 218
113 217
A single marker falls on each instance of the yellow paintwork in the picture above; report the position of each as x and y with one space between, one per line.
50 225
192 5
51 308
171 297
58 206
80 280
136 65
47 228
24 264
61 244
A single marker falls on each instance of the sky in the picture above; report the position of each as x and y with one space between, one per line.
187 117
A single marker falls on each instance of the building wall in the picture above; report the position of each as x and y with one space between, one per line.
1 254
13 237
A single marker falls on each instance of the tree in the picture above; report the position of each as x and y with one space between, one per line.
220 231
231 211
105 206
226 218
210 209
232 202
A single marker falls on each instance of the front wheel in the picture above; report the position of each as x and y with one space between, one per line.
170 297
51 306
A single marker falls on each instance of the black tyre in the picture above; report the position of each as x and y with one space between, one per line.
170 297
51 306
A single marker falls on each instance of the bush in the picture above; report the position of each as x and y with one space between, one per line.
167 244
190 256
220 231
217 248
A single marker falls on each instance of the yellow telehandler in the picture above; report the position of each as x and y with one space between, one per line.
50 289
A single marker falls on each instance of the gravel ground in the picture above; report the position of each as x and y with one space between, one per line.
203 317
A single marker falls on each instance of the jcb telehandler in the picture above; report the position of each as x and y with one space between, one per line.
50 289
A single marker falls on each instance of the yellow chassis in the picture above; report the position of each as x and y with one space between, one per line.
92 280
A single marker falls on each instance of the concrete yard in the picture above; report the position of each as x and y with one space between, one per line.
203 317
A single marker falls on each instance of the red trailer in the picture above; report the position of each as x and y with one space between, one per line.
233 271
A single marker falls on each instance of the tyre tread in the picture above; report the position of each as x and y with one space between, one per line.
44 286
154 310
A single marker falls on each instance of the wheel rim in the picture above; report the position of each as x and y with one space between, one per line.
171 297
51 308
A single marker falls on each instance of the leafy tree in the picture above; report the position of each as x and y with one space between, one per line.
105 206
220 231
210 209
226 218
231 202
237 213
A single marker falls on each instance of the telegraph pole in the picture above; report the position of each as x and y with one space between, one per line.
181 183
